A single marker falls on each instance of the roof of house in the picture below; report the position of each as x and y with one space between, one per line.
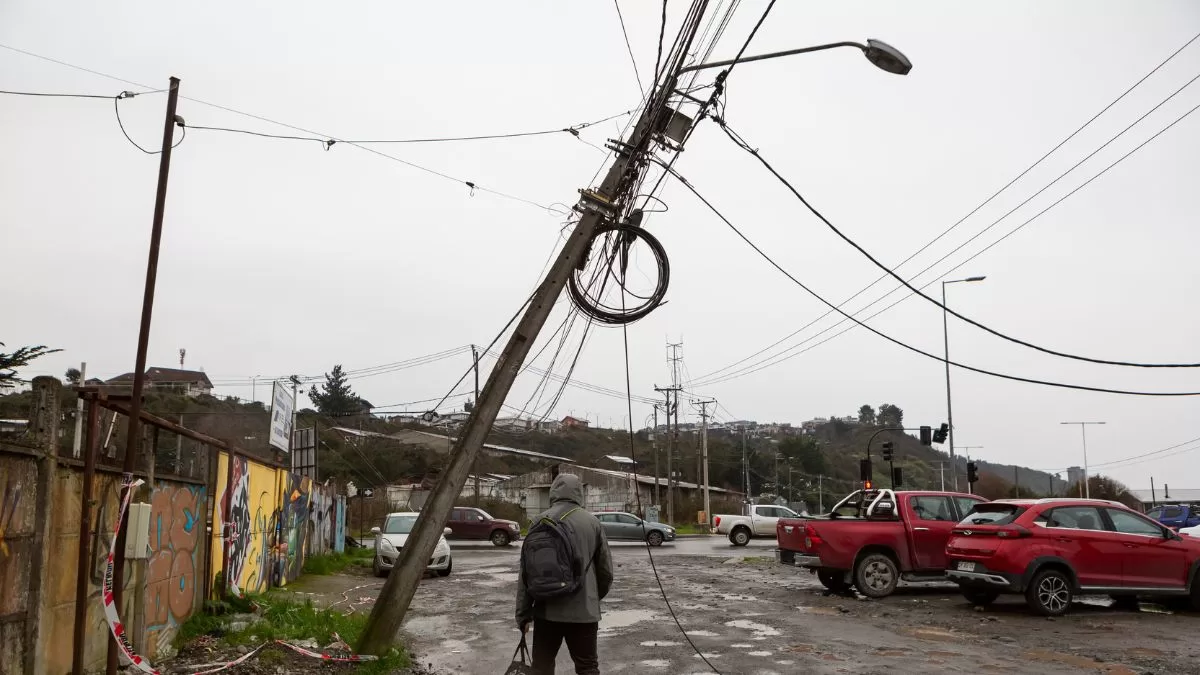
1175 496
568 419
167 376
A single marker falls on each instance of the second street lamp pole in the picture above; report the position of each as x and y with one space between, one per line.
949 404
1083 430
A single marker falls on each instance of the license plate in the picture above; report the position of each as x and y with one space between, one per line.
966 566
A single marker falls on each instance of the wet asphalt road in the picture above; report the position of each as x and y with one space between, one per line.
749 616
706 546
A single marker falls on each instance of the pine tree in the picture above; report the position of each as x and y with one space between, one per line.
19 359
335 396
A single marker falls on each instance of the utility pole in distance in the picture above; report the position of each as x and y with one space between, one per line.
671 443
597 206
704 452
475 465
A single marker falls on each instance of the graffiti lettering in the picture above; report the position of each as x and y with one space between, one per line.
176 520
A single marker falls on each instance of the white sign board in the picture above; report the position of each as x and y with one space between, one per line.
282 404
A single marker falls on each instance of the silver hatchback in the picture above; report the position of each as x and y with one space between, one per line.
621 526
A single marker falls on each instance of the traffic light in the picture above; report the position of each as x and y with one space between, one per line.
888 451
864 469
942 432
897 477
926 436
868 485
972 472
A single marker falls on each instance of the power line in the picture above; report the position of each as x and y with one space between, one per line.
55 94
573 130
791 188
628 46
1149 456
771 361
973 211
473 186
907 346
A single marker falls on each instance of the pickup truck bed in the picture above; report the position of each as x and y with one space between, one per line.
873 539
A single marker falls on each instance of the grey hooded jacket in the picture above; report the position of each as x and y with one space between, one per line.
583 606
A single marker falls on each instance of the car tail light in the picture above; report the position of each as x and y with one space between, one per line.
811 538
1012 532
717 521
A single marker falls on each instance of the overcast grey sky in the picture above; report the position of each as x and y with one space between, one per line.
279 257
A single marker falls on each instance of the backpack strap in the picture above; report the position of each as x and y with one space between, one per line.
595 553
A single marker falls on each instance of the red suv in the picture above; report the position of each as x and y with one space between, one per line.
1052 549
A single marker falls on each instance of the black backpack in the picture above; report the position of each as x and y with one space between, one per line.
550 567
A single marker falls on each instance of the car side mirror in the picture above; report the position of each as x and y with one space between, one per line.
375 530
1172 535
446 530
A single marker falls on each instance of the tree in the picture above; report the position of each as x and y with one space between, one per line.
73 376
1103 487
866 415
335 396
806 453
890 415
10 362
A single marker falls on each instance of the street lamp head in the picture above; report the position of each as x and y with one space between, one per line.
887 58
976 278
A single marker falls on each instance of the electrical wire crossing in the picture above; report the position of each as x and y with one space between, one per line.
900 343
796 193
957 223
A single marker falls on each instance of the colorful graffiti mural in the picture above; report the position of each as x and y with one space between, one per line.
267 516
172 588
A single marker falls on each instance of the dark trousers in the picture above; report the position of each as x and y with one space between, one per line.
548 636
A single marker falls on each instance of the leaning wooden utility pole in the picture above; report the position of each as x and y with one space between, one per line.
133 437
595 207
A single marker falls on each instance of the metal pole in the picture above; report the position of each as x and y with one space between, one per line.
820 493
139 371
78 440
654 432
595 206
745 469
942 472
1153 495
475 465
949 406
85 530
1086 483
704 455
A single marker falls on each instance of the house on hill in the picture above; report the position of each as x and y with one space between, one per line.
186 382
569 422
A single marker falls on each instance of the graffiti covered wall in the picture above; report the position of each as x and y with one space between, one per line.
174 583
267 518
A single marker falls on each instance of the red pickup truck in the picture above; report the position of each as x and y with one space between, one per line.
874 538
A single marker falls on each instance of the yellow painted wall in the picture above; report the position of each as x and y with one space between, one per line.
261 554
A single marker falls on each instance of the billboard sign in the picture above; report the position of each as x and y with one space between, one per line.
282 405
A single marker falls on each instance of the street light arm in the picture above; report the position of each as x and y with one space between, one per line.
881 54
772 55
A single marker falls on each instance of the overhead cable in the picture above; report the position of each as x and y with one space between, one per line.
973 211
781 357
907 346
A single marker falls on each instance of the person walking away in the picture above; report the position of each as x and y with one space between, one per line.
566 570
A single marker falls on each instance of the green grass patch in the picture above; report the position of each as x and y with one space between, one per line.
333 563
284 618
758 560
691 528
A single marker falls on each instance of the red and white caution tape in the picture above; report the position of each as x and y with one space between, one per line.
110 607
341 655
218 667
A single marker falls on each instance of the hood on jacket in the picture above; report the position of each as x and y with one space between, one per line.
567 488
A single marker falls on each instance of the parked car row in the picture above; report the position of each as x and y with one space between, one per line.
1048 550
468 523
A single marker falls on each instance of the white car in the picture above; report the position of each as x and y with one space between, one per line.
391 538
760 522
1191 531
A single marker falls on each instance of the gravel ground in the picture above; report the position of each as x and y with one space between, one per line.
750 616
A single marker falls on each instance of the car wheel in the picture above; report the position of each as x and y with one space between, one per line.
500 538
1050 593
740 536
655 538
834 581
876 575
980 596
377 568
449 567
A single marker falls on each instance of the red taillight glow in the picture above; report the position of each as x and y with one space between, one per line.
1012 532
811 538
717 521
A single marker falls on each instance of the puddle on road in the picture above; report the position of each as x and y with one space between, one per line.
696 607
739 598
742 645
935 634
827 611
623 618
660 643
656 663
707 655
760 653
759 629
702 633
784 662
